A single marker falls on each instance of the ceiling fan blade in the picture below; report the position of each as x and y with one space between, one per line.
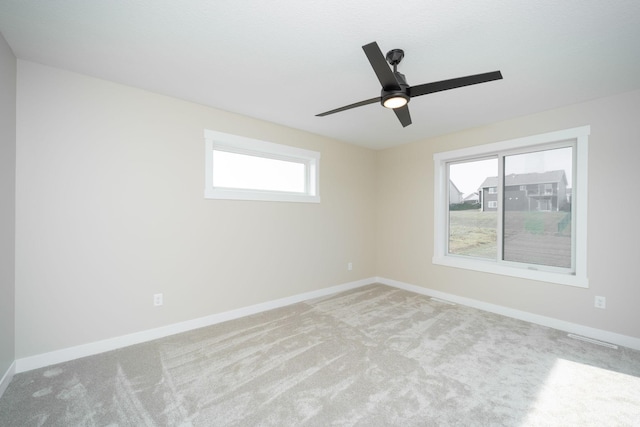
403 115
380 66
453 83
350 106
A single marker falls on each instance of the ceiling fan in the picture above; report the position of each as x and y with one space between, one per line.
396 92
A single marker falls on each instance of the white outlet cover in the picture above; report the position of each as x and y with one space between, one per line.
157 299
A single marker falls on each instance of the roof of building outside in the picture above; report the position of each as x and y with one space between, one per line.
526 178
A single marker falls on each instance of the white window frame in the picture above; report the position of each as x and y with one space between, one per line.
242 145
578 274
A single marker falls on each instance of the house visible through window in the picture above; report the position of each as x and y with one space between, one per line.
537 224
530 220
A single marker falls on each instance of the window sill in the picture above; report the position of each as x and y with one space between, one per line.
265 196
505 270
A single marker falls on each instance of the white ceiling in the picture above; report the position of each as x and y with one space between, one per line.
287 60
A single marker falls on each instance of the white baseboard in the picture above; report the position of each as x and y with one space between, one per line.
90 349
7 377
76 352
574 328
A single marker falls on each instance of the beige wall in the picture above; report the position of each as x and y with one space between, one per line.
405 218
7 204
110 210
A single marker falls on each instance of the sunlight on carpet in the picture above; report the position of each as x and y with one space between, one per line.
575 391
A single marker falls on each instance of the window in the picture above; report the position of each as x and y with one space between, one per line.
240 168
531 220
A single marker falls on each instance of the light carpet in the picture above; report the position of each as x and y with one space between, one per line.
373 356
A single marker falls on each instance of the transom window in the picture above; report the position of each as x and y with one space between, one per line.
530 219
240 168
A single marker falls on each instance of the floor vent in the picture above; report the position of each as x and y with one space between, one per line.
443 301
592 341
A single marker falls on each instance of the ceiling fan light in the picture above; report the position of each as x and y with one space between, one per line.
395 101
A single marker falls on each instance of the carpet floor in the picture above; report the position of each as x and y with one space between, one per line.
373 356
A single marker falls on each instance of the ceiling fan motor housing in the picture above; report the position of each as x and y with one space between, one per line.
400 91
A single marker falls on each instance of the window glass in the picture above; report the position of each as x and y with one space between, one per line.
234 170
537 220
472 230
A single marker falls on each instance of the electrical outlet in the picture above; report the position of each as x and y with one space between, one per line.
157 299
600 302
350 266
